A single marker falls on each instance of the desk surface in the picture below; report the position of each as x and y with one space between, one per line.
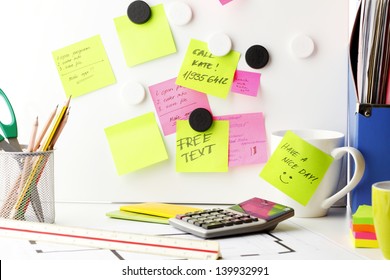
297 238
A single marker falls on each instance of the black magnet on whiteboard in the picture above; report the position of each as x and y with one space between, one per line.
139 12
200 119
257 56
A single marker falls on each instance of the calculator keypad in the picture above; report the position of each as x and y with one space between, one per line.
216 218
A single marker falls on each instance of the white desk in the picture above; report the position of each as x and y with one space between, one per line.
301 238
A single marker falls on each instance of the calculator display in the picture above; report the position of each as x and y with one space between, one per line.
261 208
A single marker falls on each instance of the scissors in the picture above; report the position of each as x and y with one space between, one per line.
10 130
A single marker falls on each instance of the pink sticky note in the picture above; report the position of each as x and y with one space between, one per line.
364 235
247 139
174 102
223 2
247 83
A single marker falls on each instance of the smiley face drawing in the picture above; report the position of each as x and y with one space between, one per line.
284 178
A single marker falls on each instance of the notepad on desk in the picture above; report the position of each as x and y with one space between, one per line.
126 215
362 228
151 212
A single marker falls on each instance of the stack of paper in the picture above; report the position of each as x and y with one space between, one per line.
151 212
374 52
362 228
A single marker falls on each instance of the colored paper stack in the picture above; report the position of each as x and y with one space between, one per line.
362 228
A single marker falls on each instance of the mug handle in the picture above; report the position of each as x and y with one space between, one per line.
360 165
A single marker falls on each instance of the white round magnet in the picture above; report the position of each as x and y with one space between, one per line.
219 44
302 46
179 13
133 93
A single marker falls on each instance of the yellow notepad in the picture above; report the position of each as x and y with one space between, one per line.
159 209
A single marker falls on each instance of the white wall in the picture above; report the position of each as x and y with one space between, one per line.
294 93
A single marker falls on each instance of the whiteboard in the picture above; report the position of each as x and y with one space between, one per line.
294 92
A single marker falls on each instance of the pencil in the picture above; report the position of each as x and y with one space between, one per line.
44 130
55 126
32 180
59 130
31 144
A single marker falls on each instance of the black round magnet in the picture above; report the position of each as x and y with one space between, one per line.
139 12
200 119
257 56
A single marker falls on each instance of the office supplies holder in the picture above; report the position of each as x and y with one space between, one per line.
368 130
27 186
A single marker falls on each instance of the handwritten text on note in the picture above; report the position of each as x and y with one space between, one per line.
174 102
247 139
205 72
202 151
296 168
246 83
83 67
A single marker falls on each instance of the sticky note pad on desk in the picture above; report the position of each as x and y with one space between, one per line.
362 228
362 220
362 242
158 209
126 215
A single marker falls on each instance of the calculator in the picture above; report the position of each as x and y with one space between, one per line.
253 215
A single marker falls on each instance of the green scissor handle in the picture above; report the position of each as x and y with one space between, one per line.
10 130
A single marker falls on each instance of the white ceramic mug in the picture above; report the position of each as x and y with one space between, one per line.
332 143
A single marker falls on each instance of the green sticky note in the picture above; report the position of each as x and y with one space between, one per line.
296 168
136 143
363 215
144 42
206 73
202 151
83 67
126 215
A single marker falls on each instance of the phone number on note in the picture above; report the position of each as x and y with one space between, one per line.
191 75
241 270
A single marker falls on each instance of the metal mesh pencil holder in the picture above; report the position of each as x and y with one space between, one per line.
27 186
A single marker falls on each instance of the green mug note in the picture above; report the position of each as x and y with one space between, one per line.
296 168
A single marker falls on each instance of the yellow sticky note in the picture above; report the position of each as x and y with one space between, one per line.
83 67
206 73
296 168
202 151
144 42
136 143
159 209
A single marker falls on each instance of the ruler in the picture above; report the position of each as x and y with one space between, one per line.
122 241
